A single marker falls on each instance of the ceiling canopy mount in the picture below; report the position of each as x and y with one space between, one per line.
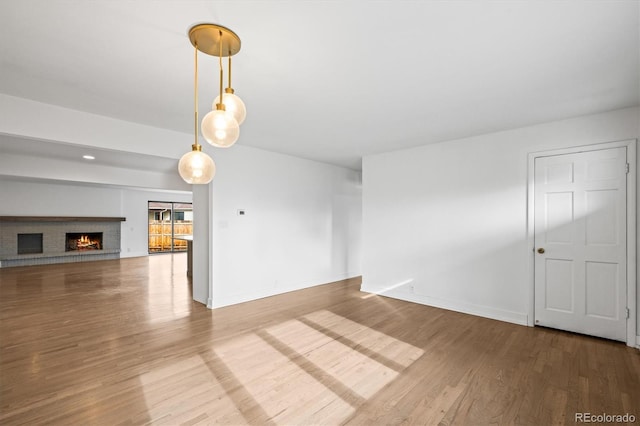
207 38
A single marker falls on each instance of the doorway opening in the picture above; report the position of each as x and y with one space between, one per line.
170 226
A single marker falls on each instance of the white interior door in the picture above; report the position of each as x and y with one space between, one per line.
580 242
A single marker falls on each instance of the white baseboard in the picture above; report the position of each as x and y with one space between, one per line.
452 305
133 254
234 299
143 254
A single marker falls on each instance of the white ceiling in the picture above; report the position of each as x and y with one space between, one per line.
330 80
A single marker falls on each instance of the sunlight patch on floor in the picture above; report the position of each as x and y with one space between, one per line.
358 372
184 390
379 343
286 392
169 296
317 369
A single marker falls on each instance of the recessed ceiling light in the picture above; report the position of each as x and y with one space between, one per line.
88 157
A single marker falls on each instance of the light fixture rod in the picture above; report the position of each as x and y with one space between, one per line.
220 64
195 95
229 72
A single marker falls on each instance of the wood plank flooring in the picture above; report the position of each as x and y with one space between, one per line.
121 342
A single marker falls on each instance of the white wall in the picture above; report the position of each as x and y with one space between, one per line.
303 223
35 167
446 224
34 198
31 198
301 227
77 127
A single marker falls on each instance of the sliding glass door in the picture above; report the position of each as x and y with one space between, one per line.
168 223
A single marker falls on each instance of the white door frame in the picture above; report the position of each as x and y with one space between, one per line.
631 228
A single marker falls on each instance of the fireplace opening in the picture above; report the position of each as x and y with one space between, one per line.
82 241
29 243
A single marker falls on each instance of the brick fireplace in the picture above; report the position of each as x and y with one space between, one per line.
43 240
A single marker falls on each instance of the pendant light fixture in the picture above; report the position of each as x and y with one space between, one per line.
196 167
219 127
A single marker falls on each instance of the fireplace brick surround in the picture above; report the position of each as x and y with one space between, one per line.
54 230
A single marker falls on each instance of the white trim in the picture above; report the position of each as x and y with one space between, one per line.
210 248
124 255
630 144
632 284
234 299
451 305
531 238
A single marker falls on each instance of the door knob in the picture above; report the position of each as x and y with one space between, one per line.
540 250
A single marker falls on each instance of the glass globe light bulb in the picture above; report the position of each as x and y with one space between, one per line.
234 105
196 167
220 128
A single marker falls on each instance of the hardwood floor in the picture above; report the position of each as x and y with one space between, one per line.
121 342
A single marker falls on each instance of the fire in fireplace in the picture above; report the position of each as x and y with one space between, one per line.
81 241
